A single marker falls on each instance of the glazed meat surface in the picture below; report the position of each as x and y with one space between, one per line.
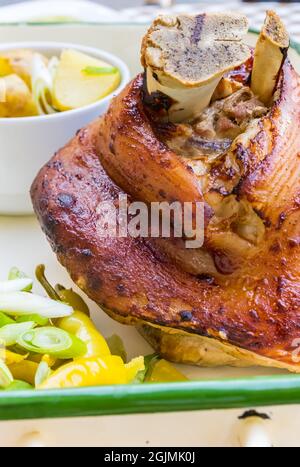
253 305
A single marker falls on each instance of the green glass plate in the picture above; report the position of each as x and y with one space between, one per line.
149 398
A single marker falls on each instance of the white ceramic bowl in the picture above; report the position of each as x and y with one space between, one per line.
26 144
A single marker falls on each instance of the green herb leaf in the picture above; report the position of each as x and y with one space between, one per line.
94 70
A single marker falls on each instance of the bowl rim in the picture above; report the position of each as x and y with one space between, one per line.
50 45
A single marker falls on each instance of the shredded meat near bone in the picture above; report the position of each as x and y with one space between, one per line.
206 143
212 133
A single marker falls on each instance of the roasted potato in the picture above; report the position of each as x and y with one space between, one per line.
5 66
20 63
16 98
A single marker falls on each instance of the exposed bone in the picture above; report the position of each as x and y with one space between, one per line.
270 52
186 56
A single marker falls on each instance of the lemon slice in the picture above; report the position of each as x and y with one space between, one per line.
77 85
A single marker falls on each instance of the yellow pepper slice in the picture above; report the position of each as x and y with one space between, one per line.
49 360
5 66
133 367
11 357
38 358
165 372
24 371
82 327
93 372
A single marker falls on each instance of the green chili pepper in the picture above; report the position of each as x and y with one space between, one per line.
40 275
60 293
116 346
72 298
52 341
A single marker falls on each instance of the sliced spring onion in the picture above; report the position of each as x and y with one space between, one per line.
23 303
52 67
18 385
6 378
42 373
42 84
52 341
39 320
15 285
95 70
10 333
5 319
15 273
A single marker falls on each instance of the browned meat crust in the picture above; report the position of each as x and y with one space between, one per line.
136 159
256 308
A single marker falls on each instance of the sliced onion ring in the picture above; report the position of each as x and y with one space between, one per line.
52 341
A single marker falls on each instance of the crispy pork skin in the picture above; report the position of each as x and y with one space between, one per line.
250 309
